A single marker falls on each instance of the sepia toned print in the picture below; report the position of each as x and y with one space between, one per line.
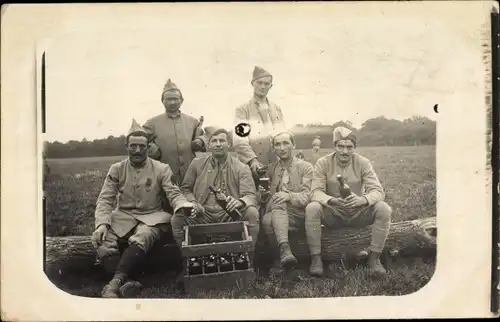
321 226
300 163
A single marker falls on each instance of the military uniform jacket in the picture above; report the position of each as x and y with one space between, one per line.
299 184
202 173
258 143
138 193
173 135
359 175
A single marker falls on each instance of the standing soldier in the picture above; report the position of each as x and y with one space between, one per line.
136 184
365 205
175 136
255 150
316 144
285 204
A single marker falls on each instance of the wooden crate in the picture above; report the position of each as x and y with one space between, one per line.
231 237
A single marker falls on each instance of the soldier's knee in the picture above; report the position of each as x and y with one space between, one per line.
313 210
266 221
177 220
382 211
145 238
278 206
252 215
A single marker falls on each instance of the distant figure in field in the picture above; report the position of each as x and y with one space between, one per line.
175 136
300 155
316 145
363 207
137 184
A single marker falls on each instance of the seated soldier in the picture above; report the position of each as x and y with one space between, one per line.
222 171
137 184
288 196
363 207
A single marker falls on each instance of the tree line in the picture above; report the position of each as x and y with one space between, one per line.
379 131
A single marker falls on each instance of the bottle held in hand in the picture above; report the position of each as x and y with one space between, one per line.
263 178
344 189
220 198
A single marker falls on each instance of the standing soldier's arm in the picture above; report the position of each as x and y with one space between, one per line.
199 134
172 192
153 149
107 197
188 182
150 130
318 185
242 144
248 192
281 116
301 198
373 189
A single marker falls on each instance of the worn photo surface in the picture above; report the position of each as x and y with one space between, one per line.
318 102
265 152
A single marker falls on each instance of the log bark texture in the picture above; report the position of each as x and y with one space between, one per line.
73 254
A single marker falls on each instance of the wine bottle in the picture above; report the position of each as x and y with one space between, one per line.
263 178
211 264
194 266
241 262
344 189
225 264
220 198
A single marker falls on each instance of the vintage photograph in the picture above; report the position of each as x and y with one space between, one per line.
192 161
218 161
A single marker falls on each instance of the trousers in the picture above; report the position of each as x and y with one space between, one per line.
377 215
277 221
142 235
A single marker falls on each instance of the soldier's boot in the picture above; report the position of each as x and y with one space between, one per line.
374 265
316 268
131 288
287 260
112 289
276 268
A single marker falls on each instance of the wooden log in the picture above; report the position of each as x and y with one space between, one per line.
74 254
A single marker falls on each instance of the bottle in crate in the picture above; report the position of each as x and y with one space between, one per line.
225 263
241 261
194 266
211 264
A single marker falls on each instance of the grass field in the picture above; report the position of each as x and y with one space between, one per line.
408 175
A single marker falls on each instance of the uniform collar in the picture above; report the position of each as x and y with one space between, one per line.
254 101
140 166
174 115
214 162
289 164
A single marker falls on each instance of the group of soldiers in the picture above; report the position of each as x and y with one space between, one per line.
163 185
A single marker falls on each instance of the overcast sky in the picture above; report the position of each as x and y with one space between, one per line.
353 67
